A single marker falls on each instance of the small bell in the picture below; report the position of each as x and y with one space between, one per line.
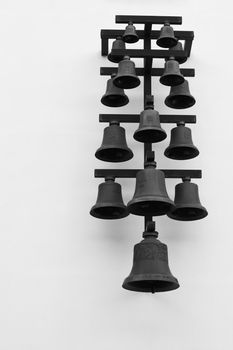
117 44
187 203
179 47
181 145
114 96
114 147
166 37
126 77
150 272
149 128
180 97
109 204
150 197
130 35
171 75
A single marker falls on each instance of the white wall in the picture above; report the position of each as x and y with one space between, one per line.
60 269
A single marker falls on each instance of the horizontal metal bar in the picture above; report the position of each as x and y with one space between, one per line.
148 19
151 53
131 173
113 33
134 118
155 72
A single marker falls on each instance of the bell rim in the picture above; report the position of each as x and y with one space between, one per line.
181 60
117 59
133 201
133 36
169 104
124 214
125 101
163 80
160 40
194 148
172 282
161 131
104 159
136 79
202 215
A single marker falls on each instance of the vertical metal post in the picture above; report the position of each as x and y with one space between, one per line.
147 88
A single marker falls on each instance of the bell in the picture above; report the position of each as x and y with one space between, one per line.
149 128
150 197
114 96
150 272
114 147
171 75
126 77
109 204
181 145
179 47
187 203
180 97
166 37
117 44
130 36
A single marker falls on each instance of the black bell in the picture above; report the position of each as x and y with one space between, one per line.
114 96
114 147
171 75
180 97
109 204
150 272
126 77
166 37
117 44
179 47
187 203
150 197
130 35
149 128
181 145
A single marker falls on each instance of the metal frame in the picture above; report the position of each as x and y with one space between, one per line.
147 71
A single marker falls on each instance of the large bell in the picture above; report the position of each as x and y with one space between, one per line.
171 75
149 128
109 204
126 77
150 272
114 96
187 203
130 35
114 147
179 47
150 197
181 145
166 37
117 44
180 97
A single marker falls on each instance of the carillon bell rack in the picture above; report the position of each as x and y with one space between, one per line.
150 271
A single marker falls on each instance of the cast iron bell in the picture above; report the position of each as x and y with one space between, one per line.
114 96
126 77
150 197
149 128
171 75
114 147
180 97
150 272
117 44
179 47
166 37
130 35
181 145
109 204
187 203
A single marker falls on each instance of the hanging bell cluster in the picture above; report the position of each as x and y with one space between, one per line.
150 272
